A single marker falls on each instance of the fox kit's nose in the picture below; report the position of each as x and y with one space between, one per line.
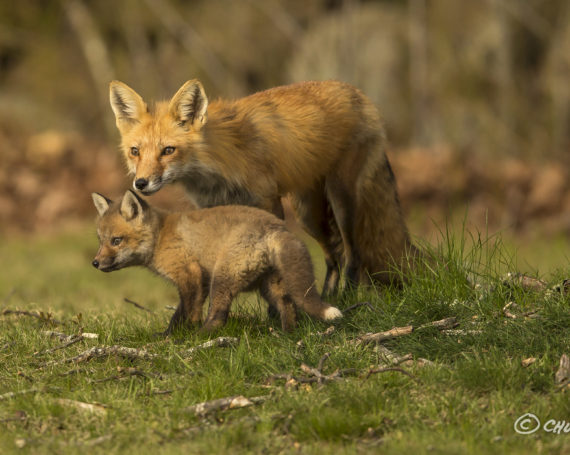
95 263
140 184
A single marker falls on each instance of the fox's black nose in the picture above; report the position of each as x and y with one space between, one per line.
95 263
140 184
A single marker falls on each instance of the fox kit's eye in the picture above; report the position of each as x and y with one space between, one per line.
134 151
169 150
115 241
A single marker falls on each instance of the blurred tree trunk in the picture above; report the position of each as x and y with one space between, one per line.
196 47
504 80
419 72
95 53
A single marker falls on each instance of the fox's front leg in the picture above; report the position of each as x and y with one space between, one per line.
191 291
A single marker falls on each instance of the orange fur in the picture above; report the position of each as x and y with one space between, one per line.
322 143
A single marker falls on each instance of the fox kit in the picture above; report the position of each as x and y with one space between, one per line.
220 251
323 143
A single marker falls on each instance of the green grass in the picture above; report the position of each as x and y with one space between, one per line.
465 402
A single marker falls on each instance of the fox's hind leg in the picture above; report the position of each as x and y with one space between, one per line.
273 291
295 269
315 214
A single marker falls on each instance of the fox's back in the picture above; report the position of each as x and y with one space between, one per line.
298 128
207 234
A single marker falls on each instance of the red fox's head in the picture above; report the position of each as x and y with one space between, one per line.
125 230
157 143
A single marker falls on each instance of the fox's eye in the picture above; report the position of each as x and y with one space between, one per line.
168 150
134 151
116 241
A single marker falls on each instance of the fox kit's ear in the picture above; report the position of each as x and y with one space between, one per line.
132 206
127 104
190 104
101 203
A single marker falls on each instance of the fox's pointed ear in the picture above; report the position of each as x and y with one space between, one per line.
127 104
190 104
132 206
101 203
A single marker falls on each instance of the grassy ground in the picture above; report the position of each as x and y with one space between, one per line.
466 399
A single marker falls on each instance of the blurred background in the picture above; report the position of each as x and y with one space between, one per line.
475 95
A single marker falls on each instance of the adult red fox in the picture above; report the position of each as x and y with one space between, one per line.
323 143
220 251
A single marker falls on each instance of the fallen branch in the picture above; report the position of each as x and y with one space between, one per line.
10 395
442 324
220 342
391 357
72 341
524 281
387 335
315 374
461 332
507 312
322 361
401 331
223 404
104 351
64 337
137 305
123 374
81 406
563 373
513 306
527 362
329 331
44 317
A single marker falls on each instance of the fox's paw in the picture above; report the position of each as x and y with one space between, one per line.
332 313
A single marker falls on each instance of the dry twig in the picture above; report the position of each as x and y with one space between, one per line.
63 337
124 373
461 332
72 341
9 395
220 342
329 331
81 406
524 281
391 357
223 404
379 337
44 317
507 312
137 305
104 351
563 373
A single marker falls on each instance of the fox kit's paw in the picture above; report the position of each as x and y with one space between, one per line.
332 313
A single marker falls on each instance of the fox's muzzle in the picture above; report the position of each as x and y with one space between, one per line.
148 186
141 184
105 266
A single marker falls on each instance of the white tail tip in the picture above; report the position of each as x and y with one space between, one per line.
332 313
